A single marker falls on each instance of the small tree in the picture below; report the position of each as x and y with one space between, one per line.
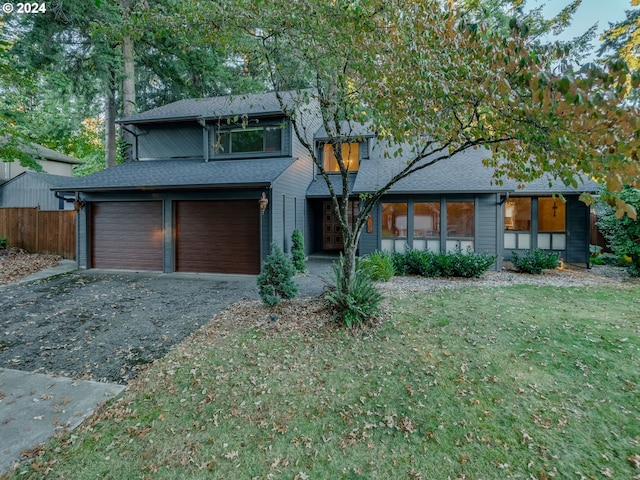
622 231
297 251
276 280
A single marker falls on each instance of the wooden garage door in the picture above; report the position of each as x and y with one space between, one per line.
217 236
126 235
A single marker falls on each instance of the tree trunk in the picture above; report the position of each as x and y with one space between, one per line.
128 80
110 128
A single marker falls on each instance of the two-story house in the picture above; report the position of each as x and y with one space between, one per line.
193 198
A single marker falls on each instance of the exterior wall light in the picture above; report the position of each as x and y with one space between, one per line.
264 201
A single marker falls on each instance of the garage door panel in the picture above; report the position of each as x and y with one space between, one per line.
127 235
217 236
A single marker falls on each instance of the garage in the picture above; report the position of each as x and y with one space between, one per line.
217 236
126 235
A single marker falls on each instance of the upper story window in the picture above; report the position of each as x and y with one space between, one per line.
266 139
350 157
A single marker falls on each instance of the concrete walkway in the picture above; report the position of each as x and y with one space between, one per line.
33 407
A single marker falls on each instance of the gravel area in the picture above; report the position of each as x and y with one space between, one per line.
105 327
108 326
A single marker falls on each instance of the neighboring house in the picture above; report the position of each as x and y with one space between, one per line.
51 161
33 189
189 202
23 187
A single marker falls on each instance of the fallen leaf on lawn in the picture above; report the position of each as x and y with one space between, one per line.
231 454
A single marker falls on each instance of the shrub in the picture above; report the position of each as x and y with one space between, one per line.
4 242
380 266
456 264
622 233
360 302
535 261
466 264
399 263
297 251
420 262
276 280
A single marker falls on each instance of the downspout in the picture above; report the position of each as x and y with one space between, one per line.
135 137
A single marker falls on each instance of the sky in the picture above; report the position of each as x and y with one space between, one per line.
590 11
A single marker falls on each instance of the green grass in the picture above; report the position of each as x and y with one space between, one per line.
515 382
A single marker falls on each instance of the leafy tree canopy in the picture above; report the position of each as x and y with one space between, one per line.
622 42
432 81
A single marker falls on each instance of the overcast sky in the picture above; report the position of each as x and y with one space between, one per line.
590 12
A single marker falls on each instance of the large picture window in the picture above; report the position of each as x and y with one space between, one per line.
517 223
551 224
350 157
460 225
394 227
249 140
426 226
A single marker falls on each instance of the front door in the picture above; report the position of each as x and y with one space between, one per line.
332 231
331 228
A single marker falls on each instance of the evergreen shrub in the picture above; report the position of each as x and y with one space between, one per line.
275 283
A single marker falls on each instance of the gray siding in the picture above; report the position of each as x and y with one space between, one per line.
578 232
487 214
289 199
30 191
169 142
370 242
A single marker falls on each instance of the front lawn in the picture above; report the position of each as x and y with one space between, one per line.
511 382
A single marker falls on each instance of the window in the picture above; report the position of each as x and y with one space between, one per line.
460 225
517 223
517 214
249 140
426 226
551 224
350 157
551 215
394 227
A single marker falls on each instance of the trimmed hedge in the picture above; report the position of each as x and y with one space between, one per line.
467 264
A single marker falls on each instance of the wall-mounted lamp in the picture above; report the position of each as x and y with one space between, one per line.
78 204
263 202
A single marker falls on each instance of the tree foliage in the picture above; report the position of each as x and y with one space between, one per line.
66 69
621 231
622 42
433 81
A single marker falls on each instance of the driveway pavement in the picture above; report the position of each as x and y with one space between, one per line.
70 340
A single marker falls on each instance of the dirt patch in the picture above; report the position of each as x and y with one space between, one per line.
16 264
105 327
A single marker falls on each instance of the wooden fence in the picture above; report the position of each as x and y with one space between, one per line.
40 231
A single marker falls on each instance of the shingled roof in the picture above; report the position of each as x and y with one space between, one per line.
252 105
178 174
462 173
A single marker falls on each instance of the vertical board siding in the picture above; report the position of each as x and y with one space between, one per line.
487 224
40 231
162 142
